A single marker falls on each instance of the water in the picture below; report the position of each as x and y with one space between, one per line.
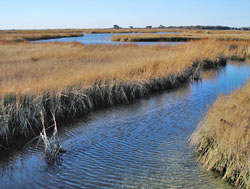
139 145
105 38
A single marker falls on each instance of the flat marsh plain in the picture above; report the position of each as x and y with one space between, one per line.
184 35
29 35
42 80
38 68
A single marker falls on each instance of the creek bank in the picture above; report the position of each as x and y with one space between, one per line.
155 39
24 121
222 138
51 37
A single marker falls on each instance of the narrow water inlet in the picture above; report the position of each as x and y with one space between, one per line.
104 38
143 144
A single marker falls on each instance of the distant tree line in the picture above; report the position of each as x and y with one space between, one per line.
198 27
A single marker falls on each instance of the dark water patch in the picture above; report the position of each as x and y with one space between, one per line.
139 145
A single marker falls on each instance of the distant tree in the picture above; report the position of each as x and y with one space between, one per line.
199 27
131 27
116 26
244 28
148 26
161 26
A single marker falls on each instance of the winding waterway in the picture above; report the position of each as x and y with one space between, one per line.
105 39
143 144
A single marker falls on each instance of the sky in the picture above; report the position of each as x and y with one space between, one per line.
50 14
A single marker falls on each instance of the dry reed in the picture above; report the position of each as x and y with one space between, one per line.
52 145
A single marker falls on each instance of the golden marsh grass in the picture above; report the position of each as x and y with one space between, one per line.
223 137
185 36
22 35
63 80
35 68
28 35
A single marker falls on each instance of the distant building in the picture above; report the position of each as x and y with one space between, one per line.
116 26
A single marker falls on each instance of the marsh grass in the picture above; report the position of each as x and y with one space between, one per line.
183 37
29 35
222 139
38 68
154 30
71 79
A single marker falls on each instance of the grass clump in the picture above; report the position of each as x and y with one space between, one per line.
52 147
223 138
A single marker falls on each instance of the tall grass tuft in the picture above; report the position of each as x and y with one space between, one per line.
51 144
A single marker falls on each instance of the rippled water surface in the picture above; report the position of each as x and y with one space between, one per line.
105 38
139 145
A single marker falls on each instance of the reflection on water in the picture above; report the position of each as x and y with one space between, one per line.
105 38
233 72
139 145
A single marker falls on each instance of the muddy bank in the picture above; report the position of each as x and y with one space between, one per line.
24 121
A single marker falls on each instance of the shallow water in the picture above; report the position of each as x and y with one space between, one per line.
139 145
90 39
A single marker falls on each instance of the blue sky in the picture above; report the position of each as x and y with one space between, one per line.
36 14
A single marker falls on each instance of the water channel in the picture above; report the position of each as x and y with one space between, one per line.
143 144
105 39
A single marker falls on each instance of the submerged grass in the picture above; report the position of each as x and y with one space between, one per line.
52 145
73 79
